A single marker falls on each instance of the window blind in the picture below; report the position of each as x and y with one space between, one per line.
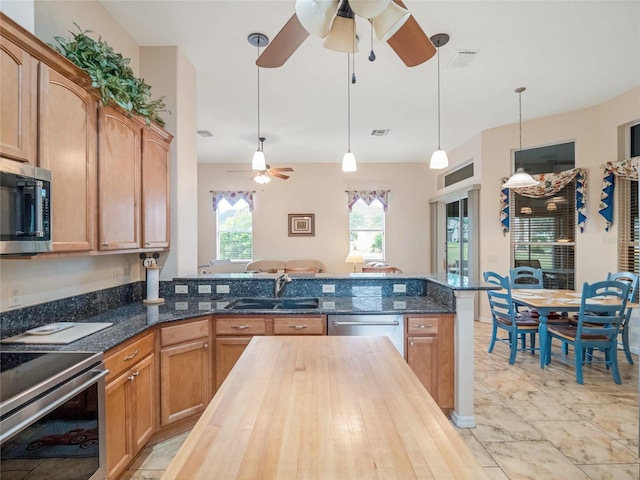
629 228
543 232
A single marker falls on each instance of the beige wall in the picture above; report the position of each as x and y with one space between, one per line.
320 189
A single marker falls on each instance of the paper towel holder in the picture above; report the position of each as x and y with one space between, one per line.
152 274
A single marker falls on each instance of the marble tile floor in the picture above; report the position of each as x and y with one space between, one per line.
532 423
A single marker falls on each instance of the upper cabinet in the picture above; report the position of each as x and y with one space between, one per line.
155 188
18 95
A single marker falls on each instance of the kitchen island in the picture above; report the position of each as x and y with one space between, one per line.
326 408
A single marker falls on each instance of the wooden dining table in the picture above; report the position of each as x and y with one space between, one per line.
545 301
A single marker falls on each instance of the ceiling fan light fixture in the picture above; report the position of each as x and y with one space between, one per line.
439 160
349 162
390 21
316 15
261 179
258 161
342 37
368 8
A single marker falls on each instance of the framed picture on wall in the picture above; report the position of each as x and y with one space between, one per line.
302 224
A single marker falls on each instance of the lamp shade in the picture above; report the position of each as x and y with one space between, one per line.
520 179
342 37
349 162
551 206
526 210
368 8
389 21
316 15
439 159
258 161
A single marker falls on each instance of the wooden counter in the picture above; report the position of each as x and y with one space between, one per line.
323 408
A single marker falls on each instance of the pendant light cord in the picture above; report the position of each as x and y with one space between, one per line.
348 105
438 51
259 146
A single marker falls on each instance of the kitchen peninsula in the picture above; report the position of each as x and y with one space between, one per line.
326 408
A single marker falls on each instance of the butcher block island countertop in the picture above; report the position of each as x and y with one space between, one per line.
303 407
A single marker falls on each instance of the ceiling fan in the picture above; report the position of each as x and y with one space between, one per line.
335 19
264 176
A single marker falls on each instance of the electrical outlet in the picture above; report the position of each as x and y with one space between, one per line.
399 288
328 289
222 288
204 288
182 288
14 295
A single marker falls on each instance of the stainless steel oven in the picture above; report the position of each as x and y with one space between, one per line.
391 326
52 422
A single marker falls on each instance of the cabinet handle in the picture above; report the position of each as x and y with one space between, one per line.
147 243
298 327
131 378
129 357
205 346
135 374
105 244
411 343
240 327
423 326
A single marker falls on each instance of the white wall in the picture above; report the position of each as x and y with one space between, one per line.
320 189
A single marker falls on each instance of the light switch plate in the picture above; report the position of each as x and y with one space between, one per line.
222 288
399 288
204 288
401 305
182 288
328 289
182 305
204 306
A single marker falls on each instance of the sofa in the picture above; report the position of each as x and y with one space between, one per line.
290 266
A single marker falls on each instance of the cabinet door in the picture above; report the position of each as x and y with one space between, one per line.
155 190
117 410
67 133
185 371
118 181
228 351
142 399
422 356
18 93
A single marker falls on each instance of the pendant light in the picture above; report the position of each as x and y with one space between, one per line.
349 160
520 179
439 158
258 162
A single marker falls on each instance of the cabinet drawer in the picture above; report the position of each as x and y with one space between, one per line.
298 326
422 325
184 332
240 326
125 357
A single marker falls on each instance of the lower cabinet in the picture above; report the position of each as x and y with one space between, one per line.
129 401
430 354
185 370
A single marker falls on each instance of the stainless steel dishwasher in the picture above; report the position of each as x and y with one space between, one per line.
391 326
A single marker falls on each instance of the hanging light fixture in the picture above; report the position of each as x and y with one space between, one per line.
520 179
439 158
258 162
349 160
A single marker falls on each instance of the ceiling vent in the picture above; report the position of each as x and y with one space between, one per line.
463 58
205 133
380 132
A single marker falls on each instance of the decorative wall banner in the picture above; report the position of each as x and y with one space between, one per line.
626 169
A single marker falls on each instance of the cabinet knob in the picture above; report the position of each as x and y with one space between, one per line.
105 244
131 378
205 346
147 243
135 374
411 343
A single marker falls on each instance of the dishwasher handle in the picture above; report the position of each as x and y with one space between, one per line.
368 323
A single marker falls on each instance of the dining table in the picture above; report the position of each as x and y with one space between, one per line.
545 301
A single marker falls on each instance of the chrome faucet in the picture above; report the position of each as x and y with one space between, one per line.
280 284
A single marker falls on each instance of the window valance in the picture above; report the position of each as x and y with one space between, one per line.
549 184
368 196
627 169
233 198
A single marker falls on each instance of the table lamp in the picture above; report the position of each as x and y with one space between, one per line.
354 257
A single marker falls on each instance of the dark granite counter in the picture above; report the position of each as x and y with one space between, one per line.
134 318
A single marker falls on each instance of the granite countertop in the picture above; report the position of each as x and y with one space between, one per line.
134 318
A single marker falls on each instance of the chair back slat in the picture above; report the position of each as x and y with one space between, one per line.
601 319
626 277
526 277
500 301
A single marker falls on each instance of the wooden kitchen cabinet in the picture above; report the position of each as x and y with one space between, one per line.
18 103
119 171
130 401
300 325
430 354
155 188
185 370
233 334
70 153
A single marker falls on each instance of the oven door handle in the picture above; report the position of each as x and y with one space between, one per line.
50 402
368 323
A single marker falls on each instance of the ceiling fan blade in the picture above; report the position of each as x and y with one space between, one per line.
238 171
410 42
283 44
282 169
279 175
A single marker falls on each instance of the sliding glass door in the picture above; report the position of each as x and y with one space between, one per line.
457 235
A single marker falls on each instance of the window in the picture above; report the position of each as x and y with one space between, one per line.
234 233
543 229
629 229
366 229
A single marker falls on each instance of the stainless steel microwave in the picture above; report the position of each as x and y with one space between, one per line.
25 209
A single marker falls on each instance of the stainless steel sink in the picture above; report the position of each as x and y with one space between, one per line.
273 304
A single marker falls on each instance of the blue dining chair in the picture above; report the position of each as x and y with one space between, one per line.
597 326
526 277
632 280
505 317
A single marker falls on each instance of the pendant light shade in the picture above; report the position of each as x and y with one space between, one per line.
349 162
520 179
389 21
342 37
369 8
439 158
316 15
258 162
